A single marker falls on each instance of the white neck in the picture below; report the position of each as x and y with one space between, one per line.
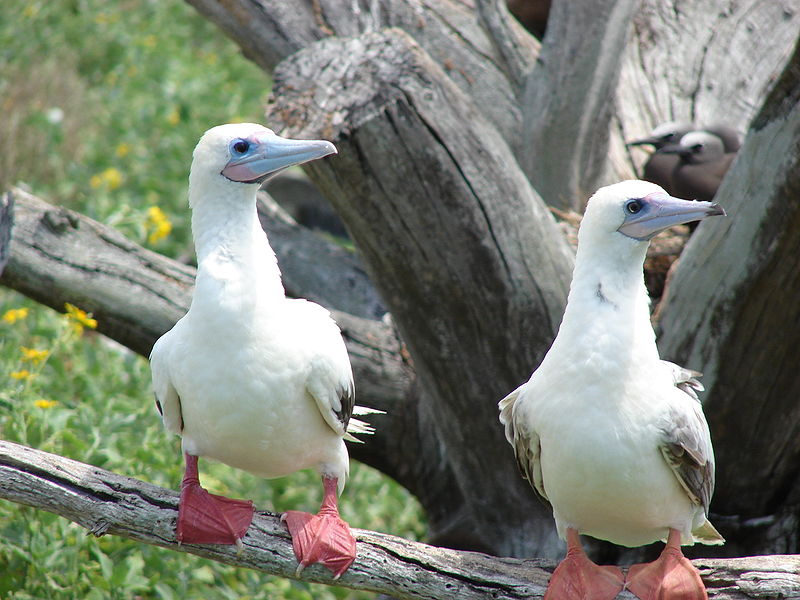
231 246
608 308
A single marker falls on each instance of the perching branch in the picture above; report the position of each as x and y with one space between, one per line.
108 503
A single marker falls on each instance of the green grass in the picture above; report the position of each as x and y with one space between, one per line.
102 104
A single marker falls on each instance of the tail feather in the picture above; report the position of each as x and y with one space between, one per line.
708 534
357 426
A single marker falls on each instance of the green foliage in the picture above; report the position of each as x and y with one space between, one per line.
102 103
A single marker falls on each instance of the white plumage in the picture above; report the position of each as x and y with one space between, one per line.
249 377
260 377
612 436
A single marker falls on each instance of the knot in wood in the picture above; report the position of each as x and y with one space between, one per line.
59 220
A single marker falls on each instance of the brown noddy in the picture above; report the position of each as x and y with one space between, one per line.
659 167
702 164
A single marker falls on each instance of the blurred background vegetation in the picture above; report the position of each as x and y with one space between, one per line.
102 103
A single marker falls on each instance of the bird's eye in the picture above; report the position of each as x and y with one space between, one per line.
241 146
633 206
697 148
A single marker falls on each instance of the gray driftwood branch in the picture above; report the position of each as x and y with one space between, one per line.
108 503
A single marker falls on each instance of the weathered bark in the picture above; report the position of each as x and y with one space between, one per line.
732 309
58 255
417 181
316 269
6 223
569 92
698 62
268 31
106 503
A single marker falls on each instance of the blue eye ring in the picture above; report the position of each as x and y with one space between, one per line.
240 146
633 206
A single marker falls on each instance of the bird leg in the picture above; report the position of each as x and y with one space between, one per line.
670 577
205 518
578 578
324 538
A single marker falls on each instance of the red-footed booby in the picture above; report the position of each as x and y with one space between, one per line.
248 377
612 436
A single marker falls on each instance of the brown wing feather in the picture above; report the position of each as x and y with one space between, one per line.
526 444
686 444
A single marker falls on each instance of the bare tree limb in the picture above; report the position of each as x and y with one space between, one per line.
269 31
107 503
6 223
570 91
316 269
509 39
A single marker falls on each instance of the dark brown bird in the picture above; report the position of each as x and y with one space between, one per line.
659 167
730 139
702 163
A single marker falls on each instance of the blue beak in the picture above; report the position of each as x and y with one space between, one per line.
260 156
660 211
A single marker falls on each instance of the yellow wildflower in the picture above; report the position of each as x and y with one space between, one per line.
106 18
110 178
33 355
158 224
30 11
78 318
45 403
13 315
21 374
174 117
123 150
149 41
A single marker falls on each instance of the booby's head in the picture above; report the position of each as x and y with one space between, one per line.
666 133
249 154
636 211
697 147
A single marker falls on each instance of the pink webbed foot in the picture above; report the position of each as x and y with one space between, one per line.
205 518
578 578
322 538
670 577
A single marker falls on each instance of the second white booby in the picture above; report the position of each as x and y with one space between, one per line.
612 436
249 377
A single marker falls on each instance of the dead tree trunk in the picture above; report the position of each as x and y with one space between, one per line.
569 92
457 268
733 308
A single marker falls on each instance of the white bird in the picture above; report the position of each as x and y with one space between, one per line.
249 377
612 436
